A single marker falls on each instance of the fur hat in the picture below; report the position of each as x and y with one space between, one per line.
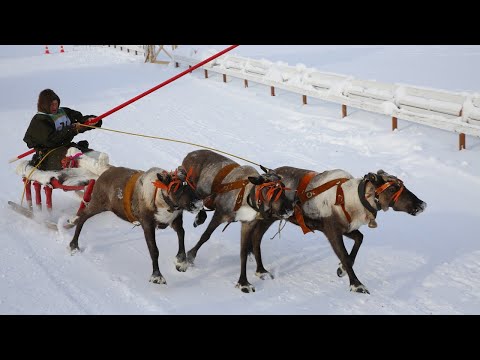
45 98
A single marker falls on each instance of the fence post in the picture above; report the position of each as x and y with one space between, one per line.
245 83
206 73
394 123
304 97
224 78
461 141
344 111
272 91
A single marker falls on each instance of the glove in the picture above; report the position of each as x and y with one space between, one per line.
88 117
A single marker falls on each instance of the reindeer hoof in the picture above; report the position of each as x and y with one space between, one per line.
71 222
157 279
181 266
74 250
264 275
200 218
246 288
341 271
360 289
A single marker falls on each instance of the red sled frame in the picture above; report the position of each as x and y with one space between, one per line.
55 184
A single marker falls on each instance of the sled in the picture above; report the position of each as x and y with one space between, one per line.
81 179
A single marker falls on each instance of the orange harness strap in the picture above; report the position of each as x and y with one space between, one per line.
128 194
304 196
217 181
219 188
297 210
303 185
340 200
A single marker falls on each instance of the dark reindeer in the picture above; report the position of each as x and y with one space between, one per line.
237 193
153 198
337 204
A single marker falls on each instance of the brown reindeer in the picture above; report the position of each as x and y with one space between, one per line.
153 198
236 193
338 205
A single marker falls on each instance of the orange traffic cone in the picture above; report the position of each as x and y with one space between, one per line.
46 50
61 49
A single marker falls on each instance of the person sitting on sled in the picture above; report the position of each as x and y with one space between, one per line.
53 128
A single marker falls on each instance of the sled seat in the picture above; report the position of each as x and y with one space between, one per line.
90 166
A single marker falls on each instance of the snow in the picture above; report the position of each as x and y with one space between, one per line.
428 264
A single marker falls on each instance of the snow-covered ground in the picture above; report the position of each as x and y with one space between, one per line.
428 264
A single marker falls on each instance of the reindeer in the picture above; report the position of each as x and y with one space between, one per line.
337 204
152 198
236 193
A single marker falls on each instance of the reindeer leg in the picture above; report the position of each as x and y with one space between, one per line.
86 214
149 231
356 236
214 223
259 229
181 263
335 237
245 248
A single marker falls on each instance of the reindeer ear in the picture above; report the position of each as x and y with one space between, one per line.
386 176
264 169
164 177
256 180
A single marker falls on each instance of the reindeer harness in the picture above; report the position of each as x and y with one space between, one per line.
304 196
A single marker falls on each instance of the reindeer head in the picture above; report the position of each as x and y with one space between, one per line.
269 196
391 192
178 190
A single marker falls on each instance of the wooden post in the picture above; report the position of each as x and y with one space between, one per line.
394 123
272 91
121 48
304 99
461 141
245 82
224 78
206 73
176 65
136 52
128 50
190 66
344 111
